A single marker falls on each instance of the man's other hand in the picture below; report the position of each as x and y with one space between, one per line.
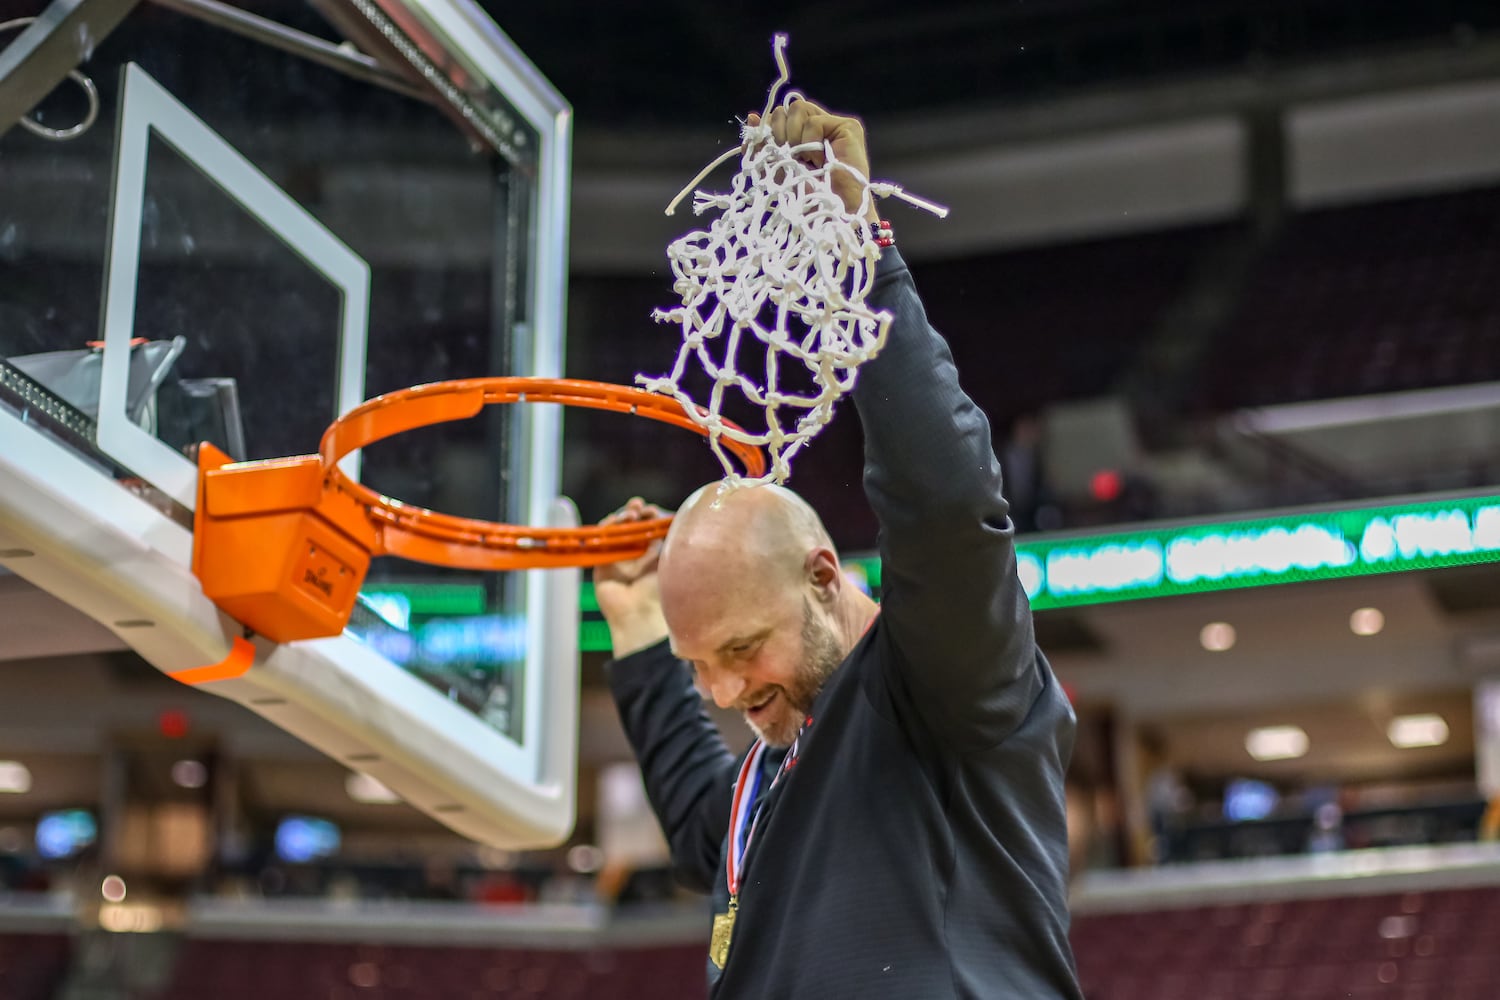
627 591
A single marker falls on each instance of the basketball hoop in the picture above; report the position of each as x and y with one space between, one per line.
283 545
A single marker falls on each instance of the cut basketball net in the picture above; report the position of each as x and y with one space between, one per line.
784 241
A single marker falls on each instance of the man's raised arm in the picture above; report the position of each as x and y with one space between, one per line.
951 600
688 771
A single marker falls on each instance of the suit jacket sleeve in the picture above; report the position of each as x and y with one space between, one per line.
688 770
952 605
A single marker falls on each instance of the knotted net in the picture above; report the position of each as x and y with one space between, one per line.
785 264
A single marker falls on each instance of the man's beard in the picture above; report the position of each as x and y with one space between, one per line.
821 656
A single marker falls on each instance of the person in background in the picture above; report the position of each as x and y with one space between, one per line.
1489 823
1025 477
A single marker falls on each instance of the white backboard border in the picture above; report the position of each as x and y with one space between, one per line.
147 107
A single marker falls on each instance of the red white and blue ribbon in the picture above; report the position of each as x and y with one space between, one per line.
741 826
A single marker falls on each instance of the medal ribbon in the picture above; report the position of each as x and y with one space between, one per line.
741 829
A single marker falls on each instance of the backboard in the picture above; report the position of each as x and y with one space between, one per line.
275 217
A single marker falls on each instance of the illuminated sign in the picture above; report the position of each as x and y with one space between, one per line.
1166 562
427 599
476 639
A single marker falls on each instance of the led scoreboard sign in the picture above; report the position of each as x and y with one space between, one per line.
1070 572
1298 548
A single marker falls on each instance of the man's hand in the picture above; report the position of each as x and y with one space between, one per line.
803 121
628 594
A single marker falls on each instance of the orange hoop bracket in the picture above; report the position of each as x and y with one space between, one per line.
237 664
283 545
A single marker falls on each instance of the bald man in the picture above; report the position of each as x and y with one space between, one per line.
897 828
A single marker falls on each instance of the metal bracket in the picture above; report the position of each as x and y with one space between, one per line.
345 58
42 56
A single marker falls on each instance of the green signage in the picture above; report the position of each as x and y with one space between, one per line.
430 599
1232 554
1165 562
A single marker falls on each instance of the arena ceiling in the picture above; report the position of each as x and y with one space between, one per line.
656 63
668 63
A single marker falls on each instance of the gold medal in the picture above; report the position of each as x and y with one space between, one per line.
718 944
741 830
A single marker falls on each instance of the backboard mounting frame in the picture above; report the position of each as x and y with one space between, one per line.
68 526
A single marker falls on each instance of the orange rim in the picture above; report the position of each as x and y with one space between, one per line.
431 536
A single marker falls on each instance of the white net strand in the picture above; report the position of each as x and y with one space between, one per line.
783 239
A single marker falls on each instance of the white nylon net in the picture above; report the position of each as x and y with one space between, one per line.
785 265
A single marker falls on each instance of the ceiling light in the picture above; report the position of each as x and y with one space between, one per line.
1276 742
393 609
190 773
585 858
1367 621
363 788
15 777
1408 731
113 889
1217 636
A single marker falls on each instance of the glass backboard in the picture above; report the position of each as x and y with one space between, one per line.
274 217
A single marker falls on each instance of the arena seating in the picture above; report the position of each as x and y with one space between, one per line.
1004 314
1007 315
1407 946
1365 299
32 965
1343 301
288 970
1414 945
1411 945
